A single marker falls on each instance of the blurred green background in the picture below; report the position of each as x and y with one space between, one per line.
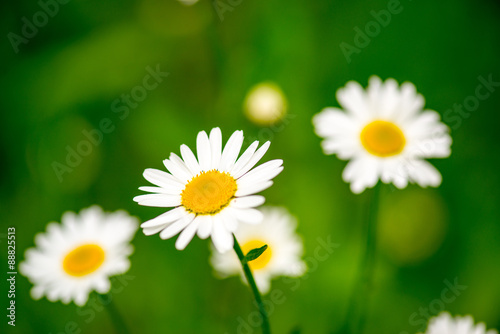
65 79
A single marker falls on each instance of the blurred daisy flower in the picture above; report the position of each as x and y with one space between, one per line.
385 133
281 258
265 104
445 324
210 195
188 2
79 255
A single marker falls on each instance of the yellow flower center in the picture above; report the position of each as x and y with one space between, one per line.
208 192
263 259
383 139
83 260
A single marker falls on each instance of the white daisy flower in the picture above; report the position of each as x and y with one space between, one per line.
210 195
79 255
445 324
385 133
281 258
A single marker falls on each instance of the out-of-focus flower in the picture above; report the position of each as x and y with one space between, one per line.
281 258
265 104
412 225
385 135
188 2
210 195
445 324
79 255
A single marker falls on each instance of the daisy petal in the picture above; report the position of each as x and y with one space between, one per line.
345 149
437 147
216 146
176 227
249 216
230 223
36 292
102 285
423 173
81 299
187 235
262 173
177 170
222 239
182 165
205 226
362 173
244 158
165 218
190 160
410 102
253 189
231 151
203 150
248 201
353 98
153 230
162 179
253 160
263 283
333 122
387 102
161 190
158 200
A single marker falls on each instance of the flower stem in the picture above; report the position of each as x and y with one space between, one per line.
266 329
357 313
116 318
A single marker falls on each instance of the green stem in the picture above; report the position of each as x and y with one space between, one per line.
116 318
357 313
370 257
266 329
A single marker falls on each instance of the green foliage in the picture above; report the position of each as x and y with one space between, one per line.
254 254
64 82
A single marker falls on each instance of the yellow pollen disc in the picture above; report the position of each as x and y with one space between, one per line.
83 260
383 139
263 259
208 192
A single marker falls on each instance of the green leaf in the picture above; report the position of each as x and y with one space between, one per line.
254 254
